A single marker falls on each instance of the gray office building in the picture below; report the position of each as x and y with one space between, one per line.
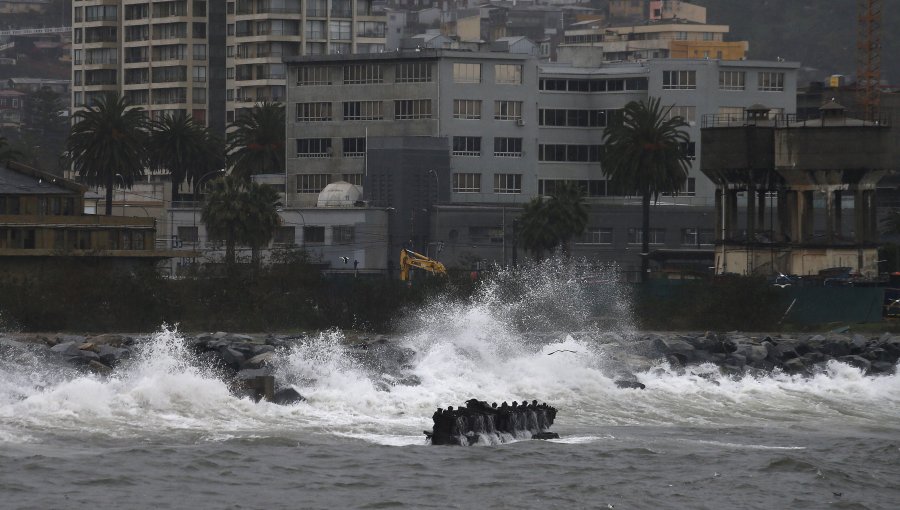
513 127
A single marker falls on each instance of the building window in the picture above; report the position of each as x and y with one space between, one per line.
688 113
188 234
199 74
313 75
354 179
312 183
409 109
589 188
313 235
731 113
413 72
508 110
340 30
313 112
586 85
467 146
690 150
314 147
342 234
467 109
507 183
363 110
362 73
679 80
466 183
508 74
508 147
596 235
466 73
731 80
556 117
636 236
771 82
285 236
697 237
558 153
199 52
354 147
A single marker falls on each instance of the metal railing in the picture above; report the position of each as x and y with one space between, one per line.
788 120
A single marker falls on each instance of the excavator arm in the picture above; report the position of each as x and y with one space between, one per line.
410 259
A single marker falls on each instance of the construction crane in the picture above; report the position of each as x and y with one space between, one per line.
868 56
410 259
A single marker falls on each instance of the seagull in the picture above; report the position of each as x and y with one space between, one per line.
345 259
561 350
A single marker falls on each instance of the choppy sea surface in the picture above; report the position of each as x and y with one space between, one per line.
164 431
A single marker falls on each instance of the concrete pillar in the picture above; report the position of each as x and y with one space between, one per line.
806 215
720 219
838 214
761 211
872 218
829 216
784 216
859 216
751 213
731 214
793 215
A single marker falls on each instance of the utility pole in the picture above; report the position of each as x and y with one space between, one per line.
868 56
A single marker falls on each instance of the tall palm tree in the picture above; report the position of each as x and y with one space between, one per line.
256 141
260 217
223 213
182 147
568 212
552 223
109 138
7 153
645 155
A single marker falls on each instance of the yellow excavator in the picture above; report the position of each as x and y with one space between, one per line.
410 259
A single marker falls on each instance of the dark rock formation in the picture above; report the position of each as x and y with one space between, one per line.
463 426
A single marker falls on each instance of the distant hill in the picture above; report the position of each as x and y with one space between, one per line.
820 34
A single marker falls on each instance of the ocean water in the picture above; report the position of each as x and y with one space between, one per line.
164 431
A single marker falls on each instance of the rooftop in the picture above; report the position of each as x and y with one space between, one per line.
18 179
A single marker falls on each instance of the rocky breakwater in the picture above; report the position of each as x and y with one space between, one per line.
740 353
491 423
247 363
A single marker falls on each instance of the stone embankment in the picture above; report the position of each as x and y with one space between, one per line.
739 353
246 362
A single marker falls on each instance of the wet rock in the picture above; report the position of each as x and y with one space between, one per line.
232 357
545 435
795 365
883 367
65 347
259 360
856 361
752 352
633 385
858 344
288 396
109 339
112 355
99 367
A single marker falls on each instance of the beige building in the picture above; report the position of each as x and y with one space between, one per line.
260 33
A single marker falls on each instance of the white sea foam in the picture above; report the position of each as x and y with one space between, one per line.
485 348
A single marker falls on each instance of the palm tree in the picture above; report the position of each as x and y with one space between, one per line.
182 147
223 213
109 138
7 153
645 155
548 224
256 141
260 217
536 231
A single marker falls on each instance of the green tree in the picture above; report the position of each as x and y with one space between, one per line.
183 148
256 141
7 152
645 155
108 138
552 223
260 219
223 213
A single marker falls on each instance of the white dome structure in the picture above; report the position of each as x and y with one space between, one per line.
340 194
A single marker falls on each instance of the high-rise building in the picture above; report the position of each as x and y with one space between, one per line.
205 58
260 33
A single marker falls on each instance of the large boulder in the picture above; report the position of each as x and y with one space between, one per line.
856 361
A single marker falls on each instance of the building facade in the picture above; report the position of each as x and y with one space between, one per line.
207 59
514 127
